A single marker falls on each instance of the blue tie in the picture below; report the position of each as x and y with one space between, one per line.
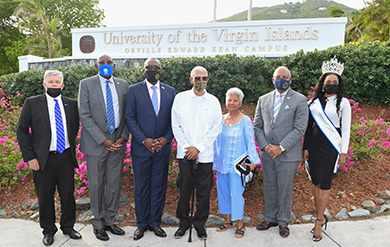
155 100
59 128
277 106
110 110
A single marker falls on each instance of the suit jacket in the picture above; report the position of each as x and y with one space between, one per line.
288 128
93 115
142 120
35 115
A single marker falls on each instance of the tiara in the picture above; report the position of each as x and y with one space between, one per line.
333 66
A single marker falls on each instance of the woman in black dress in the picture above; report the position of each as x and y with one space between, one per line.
327 137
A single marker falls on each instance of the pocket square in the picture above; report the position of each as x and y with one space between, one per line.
287 107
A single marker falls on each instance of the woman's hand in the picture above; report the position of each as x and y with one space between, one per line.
305 155
252 166
342 160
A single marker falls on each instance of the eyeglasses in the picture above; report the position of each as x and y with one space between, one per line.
198 78
109 62
149 67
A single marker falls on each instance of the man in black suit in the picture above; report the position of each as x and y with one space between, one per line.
50 152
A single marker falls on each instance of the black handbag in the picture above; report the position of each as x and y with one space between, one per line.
242 168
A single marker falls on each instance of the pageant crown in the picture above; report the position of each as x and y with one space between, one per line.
333 66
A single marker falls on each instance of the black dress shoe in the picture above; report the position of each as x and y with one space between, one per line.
181 231
158 231
48 239
284 231
139 233
73 234
265 225
114 230
101 234
201 233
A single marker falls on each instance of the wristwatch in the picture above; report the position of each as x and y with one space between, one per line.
282 148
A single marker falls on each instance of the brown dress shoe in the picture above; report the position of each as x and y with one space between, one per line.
266 225
284 231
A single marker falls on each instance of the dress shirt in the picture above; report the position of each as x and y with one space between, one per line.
52 118
150 90
114 94
277 94
196 121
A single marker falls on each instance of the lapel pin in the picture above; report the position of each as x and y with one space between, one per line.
163 87
288 97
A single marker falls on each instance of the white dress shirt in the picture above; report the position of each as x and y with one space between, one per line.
150 90
196 121
277 95
52 118
114 95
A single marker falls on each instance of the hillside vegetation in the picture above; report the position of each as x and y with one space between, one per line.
307 9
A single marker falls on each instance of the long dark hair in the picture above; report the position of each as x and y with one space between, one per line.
318 92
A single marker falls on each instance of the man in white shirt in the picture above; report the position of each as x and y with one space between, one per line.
196 123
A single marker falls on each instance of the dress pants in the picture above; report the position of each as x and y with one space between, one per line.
230 195
278 186
105 180
202 178
58 172
150 185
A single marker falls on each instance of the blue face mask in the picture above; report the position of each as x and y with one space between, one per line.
106 70
282 84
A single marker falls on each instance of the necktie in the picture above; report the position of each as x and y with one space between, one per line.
155 100
277 105
110 109
59 128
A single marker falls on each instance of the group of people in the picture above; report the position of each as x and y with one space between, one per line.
152 114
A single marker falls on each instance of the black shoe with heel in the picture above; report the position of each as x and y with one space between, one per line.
317 238
325 224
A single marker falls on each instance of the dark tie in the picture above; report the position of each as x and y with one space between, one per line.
155 100
59 128
110 110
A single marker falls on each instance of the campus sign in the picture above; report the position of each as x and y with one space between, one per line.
272 38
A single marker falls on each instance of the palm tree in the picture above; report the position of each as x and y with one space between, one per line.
38 25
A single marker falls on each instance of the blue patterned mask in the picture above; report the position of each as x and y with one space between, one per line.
282 84
106 70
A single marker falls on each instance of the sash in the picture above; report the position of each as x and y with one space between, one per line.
327 127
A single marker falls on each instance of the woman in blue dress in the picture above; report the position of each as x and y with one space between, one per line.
237 138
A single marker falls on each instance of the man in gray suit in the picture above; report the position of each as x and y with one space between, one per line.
280 122
103 139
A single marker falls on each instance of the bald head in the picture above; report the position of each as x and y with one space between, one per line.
282 72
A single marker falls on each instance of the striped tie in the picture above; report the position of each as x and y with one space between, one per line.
110 109
155 100
59 128
277 106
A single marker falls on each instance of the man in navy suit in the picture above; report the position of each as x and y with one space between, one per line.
148 117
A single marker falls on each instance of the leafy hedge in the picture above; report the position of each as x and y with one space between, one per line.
366 74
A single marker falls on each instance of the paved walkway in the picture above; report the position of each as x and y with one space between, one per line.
372 232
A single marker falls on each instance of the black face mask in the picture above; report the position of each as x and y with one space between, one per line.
331 88
54 92
152 75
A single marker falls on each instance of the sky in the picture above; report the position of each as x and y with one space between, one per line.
119 13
